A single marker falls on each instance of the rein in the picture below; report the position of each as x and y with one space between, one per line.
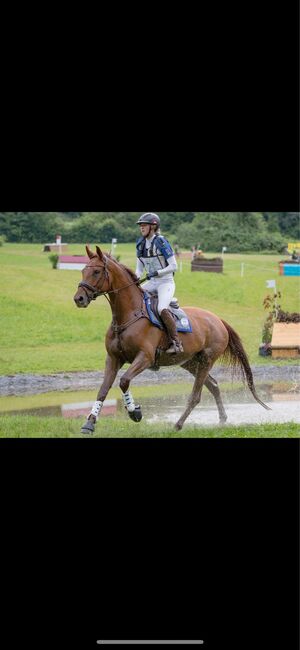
97 292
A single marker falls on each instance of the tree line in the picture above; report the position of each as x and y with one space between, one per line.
238 231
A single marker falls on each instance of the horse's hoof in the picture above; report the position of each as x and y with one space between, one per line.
136 415
223 420
178 426
88 427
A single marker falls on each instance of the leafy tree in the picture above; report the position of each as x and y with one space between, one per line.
188 235
289 224
272 221
108 230
239 231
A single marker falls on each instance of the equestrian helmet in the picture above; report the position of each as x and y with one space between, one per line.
149 218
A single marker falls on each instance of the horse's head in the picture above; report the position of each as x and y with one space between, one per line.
95 278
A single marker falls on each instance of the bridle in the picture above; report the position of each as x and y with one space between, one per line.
86 286
99 292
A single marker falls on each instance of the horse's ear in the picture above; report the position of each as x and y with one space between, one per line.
99 253
89 252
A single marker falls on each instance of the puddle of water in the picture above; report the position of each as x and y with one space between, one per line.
74 410
282 397
237 414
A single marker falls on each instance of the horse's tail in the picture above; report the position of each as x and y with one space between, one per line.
238 360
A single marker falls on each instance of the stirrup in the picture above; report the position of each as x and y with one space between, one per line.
175 348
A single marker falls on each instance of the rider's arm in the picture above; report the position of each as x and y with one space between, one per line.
172 266
139 268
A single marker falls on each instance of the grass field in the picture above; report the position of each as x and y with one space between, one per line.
43 332
55 427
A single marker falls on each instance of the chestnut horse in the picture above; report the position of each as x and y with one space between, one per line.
131 338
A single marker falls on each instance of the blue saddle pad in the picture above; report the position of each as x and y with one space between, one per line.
182 322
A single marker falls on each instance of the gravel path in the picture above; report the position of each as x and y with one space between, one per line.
33 384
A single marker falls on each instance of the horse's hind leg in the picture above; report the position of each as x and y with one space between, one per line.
213 388
212 385
201 372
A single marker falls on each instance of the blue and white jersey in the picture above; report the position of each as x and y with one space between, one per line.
155 254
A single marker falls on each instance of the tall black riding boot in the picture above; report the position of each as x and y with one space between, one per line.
169 323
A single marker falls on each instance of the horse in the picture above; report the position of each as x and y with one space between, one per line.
132 338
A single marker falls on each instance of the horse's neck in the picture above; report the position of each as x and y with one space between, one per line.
125 302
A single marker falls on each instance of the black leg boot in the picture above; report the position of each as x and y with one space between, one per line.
169 323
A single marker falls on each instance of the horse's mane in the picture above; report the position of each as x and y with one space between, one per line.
132 275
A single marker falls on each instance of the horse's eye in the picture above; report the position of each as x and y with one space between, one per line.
96 272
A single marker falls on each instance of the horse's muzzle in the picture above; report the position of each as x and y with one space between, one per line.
81 299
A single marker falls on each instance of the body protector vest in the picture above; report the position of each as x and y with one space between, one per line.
155 257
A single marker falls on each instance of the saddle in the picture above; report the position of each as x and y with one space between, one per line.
182 321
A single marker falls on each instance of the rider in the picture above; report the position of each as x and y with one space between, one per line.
156 256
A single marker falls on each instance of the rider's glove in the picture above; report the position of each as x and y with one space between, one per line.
152 274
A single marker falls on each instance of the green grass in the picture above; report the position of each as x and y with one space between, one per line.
43 332
35 427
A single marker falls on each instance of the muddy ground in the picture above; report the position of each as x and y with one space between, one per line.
33 384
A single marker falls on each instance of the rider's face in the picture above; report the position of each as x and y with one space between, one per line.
145 229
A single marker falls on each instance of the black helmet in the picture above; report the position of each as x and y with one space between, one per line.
150 218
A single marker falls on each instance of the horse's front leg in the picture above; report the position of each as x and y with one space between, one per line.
112 366
140 363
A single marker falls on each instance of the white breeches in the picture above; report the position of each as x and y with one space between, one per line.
164 290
